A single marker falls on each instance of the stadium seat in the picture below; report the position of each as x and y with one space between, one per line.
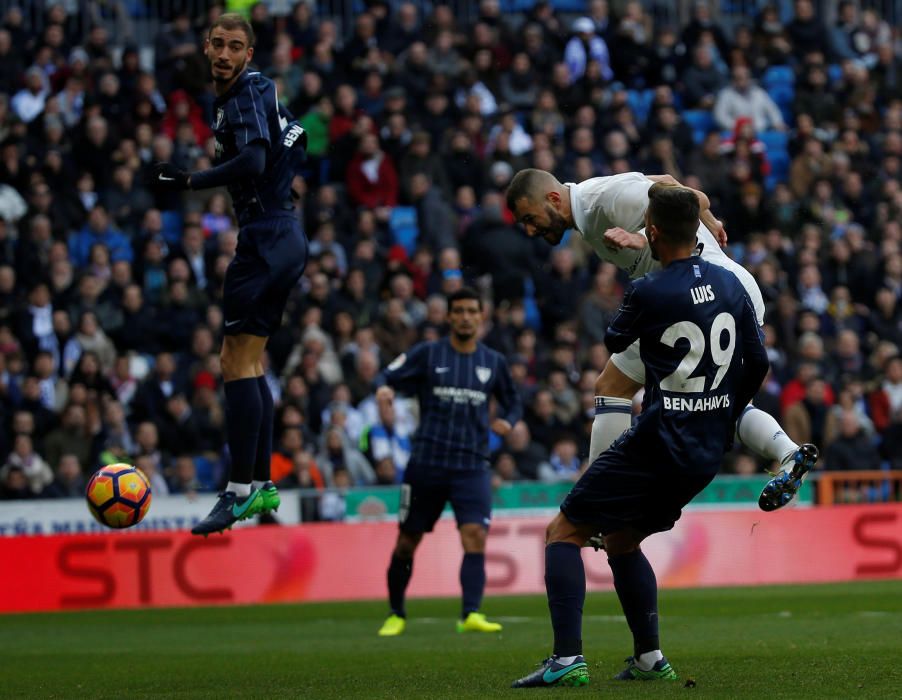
531 305
783 95
700 121
640 102
774 140
778 75
172 226
404 229
834 73
206 471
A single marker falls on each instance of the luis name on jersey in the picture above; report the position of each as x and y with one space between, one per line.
700 295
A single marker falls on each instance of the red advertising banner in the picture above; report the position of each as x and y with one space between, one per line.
346 562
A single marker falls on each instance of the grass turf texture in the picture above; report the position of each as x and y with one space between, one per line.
833 641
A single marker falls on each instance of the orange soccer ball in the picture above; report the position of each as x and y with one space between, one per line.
118 495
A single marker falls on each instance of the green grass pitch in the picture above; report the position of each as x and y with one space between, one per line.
832 641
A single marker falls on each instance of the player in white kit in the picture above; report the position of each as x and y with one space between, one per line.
609 214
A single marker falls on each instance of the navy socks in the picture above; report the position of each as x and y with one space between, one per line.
472 582
565 582
264 441
637 588
243 412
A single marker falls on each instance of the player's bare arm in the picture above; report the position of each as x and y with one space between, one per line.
618 238
705 215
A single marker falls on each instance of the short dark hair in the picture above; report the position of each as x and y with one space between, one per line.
530 184
231 21
464 293
674 211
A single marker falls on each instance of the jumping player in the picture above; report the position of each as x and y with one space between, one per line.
609 213
704 360
453 379
258 150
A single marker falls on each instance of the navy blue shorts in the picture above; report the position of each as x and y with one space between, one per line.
617 492
268 262
424 495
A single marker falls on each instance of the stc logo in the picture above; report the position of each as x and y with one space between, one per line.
891 559
85 563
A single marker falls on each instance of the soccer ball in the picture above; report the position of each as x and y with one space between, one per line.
118 495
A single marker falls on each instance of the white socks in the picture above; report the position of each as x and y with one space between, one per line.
759 432
258 484
612 418
647 661
240 490
566 660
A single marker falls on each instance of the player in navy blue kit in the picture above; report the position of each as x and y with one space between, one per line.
704 360
453 378
258 150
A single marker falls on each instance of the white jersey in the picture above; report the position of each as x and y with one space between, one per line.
601 203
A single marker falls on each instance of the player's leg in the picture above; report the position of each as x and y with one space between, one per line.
645 501
263 461
400 569
239 357
565 585
472 580
470 494
421 506
637 589
284 248
615 387
762 434
758 430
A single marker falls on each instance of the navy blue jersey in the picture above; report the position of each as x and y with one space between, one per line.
250 113
454 389
704 360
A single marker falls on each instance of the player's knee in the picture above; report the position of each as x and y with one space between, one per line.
473 538
555 532
407 544
619 543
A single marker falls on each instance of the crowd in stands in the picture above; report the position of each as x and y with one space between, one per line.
110 322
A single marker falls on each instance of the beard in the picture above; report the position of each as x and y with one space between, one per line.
227 78
557 226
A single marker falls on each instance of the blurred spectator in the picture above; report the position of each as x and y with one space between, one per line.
70 438
387 445
529 456
69 481
23 457
564 463
742 98
852 449
586 46
148 465
886 400
339 458
372 180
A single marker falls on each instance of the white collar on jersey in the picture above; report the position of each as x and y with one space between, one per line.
576 208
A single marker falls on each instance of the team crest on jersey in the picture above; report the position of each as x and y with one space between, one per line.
398 362
483 374
219 115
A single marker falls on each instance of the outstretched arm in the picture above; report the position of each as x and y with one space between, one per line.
711 222
250 162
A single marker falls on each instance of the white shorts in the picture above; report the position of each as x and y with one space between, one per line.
629 362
